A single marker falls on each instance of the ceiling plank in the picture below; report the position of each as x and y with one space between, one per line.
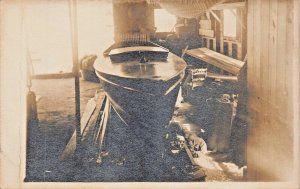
234 5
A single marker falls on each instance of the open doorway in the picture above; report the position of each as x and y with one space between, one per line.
164 21
49 35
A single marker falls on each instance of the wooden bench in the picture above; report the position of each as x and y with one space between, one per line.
231 65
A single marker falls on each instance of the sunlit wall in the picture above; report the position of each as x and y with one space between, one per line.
164 21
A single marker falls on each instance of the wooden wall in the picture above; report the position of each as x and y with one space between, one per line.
273 85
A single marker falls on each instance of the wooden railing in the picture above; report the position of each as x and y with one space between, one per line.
211 43
231 45
132 37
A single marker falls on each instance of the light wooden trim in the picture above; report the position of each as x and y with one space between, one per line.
235 5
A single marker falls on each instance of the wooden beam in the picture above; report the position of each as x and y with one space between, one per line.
238 19
53 76
221 40
215 16
229 49
222 77
236 5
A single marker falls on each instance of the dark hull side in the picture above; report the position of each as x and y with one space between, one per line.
145 118
151 108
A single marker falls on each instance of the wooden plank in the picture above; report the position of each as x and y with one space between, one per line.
71 146
234 5
221 33
53 76
88 111
205 32
229 60
95 118
263 54
102 130
221 61
242 54
256 43
205 24
250 44
273 26
289 77
296 70
207 52
239 21
281 57
222 77
105 122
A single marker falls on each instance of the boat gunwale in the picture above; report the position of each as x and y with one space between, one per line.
124 50
107 60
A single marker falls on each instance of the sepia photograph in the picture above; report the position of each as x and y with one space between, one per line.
149 94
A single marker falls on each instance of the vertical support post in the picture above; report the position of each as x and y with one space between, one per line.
74 40
221 16
229 48
214 44
219 31
244 34
207 43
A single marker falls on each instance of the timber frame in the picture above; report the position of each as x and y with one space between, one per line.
211 30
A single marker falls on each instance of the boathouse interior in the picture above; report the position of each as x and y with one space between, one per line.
236 115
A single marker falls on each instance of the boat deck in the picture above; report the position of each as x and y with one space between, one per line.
154 70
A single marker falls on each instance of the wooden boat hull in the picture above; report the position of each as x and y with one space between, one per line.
145 117
143 96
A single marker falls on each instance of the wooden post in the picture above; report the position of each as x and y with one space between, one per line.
208 43
214 44
229 48
244 34
74 39
221 33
